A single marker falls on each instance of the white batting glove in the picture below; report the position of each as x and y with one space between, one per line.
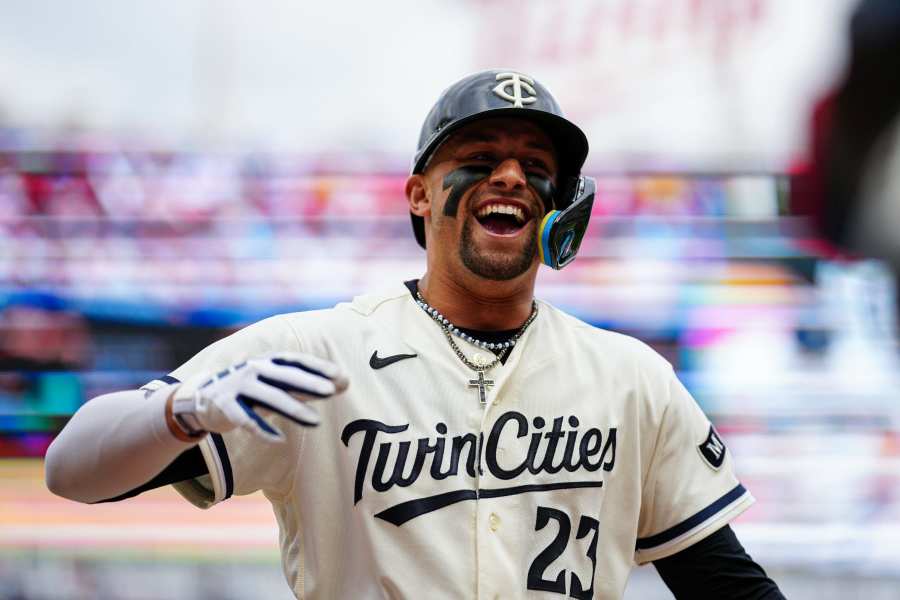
280 383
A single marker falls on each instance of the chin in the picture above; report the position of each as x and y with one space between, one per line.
503 263
498 271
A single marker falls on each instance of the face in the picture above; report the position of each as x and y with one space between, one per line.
483 196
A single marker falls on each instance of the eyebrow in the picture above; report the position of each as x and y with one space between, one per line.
475 137
539 146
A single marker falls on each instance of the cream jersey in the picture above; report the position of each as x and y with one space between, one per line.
587 457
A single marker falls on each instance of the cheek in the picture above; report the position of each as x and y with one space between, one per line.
439 220
545 189
460 183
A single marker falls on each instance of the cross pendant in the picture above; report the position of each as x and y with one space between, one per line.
481 383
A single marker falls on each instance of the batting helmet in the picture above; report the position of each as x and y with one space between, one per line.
504 93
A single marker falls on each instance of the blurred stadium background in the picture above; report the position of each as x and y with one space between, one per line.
171 171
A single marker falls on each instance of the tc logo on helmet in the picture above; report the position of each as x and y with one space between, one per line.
517 82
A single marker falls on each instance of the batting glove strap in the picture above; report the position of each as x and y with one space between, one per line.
185 416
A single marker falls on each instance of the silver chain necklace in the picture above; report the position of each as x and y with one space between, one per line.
450 330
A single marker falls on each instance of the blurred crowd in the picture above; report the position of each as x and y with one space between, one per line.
193 229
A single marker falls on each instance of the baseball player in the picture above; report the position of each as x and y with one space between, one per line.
452 436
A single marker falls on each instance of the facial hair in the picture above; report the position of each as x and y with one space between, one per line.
497 267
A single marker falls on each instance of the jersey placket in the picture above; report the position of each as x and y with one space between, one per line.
476 417
491 582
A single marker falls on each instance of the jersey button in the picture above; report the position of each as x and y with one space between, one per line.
494 522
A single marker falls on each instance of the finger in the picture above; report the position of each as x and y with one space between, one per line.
254 422
219 416
280 403
294 380
315 365
235 413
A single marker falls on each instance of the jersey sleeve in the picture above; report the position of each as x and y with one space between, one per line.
237 461
689 489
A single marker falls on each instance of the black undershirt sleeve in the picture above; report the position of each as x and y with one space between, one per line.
716 567
187 465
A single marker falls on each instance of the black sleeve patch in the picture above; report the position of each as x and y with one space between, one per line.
713 449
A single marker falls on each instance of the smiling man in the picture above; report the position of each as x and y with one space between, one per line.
517 160
475 442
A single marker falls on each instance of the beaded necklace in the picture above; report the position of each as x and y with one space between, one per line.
450 330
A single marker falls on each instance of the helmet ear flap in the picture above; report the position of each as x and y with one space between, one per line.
562 230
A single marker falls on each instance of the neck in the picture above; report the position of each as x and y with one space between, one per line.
486 306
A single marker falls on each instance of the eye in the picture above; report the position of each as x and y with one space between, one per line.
536 165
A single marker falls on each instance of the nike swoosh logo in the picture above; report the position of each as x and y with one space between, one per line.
379 363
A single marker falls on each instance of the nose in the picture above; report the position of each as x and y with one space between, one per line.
508 175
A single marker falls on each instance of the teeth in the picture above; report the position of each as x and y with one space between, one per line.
503 209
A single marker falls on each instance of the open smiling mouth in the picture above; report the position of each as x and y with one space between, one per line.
502 219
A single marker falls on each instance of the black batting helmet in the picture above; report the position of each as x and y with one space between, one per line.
501 93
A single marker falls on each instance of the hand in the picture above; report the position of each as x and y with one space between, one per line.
280 383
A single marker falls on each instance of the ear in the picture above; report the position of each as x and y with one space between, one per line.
417 195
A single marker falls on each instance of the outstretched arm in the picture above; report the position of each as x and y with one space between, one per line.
120 444
113 444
